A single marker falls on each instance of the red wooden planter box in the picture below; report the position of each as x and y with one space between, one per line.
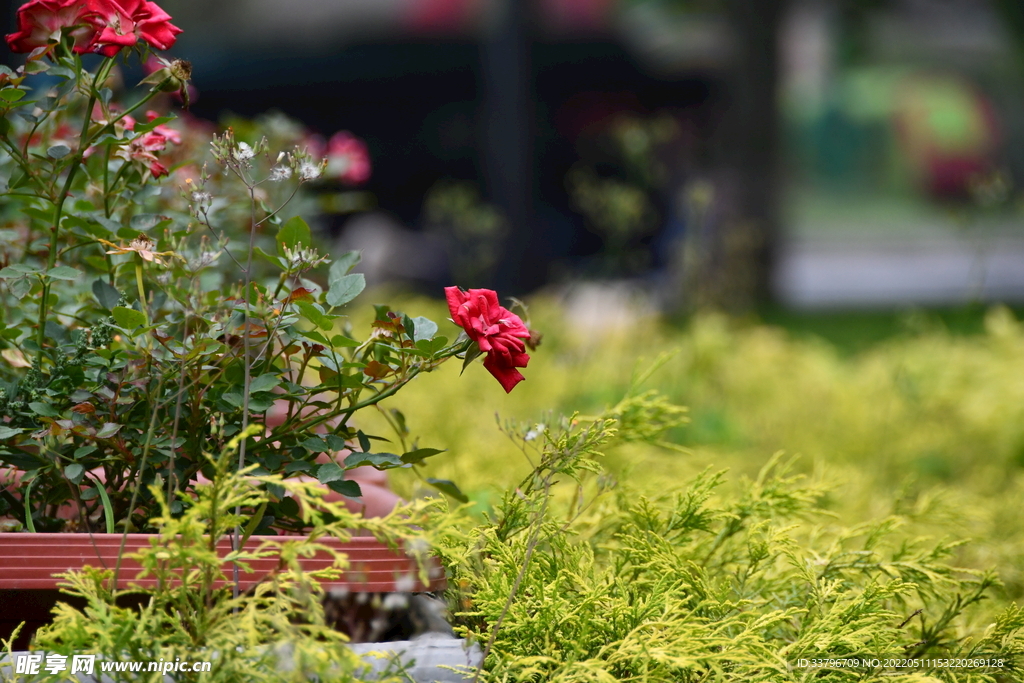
28 561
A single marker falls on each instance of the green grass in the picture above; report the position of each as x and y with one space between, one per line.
925 418
856 331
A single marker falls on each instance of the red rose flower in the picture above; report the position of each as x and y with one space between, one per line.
123 23
103 26
347 158
498 331
39 21
143 149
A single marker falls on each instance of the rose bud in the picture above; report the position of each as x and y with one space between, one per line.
172 78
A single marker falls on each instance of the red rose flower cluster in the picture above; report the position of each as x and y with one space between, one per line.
103 26
498 331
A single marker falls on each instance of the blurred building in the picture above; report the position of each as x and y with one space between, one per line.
520 142
906 152
494 95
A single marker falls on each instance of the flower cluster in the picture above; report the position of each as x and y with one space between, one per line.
498 332
143 148
101 26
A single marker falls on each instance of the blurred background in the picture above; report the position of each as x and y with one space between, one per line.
773 155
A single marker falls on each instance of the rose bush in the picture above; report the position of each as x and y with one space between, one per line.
143 327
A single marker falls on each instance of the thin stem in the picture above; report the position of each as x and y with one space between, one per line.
171 473
247 378
278 209
138 480
58 209
142 289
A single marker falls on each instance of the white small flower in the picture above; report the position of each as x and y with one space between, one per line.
303 259
244 152
279 173
204 259
201 200
309 171
534 433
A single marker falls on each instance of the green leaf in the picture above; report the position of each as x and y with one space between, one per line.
108 430
364 441
58 151
108 509
328 472
315 444
315 336
399 419
346 487
345 288
22 460
30 523
74 472
105 294
7 432
254 522
17 179
147 221
233 398
277 261
448 488
381 461
293 233
150 125
264 382
344 264
128 318
335 442
420 454
18 270
64 273
44 409
340 341
314 315
432 346
261 402
11 94
62 71
20 288
425 328
472 353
